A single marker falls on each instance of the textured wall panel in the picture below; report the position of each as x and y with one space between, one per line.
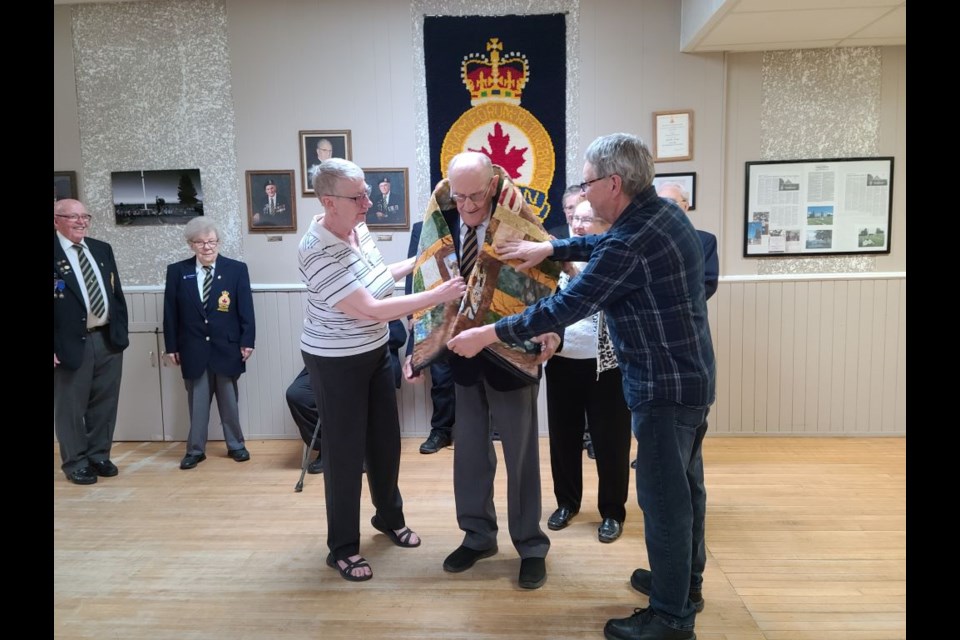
153 92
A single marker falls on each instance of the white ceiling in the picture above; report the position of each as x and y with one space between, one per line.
763 25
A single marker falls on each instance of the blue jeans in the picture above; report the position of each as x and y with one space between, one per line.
673 499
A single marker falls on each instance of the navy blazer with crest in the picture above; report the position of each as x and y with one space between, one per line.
210 336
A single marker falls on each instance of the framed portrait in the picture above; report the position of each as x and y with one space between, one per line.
388 192
155 198
317 146
673 135
64 185
271 201
687 181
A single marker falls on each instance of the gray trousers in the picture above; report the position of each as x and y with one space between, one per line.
200 392
85 404
475 465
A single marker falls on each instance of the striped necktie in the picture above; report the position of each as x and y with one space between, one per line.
468 252
207 284
97 306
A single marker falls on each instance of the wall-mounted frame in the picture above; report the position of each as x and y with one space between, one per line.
391 206
831 206
271 201
688 181
317 146
64 185
156 197
673 135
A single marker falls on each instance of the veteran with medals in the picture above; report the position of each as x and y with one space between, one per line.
209 331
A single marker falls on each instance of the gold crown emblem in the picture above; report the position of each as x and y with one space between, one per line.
495 78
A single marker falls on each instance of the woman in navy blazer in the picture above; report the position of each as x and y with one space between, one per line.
210 339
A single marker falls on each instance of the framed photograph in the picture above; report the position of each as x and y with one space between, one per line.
271 201
828 207
154 198
673 135
388 192
317 146
687 182
64 185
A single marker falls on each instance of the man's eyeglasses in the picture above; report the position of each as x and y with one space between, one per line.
75 217
587 183
476 198
204 243
357 200
582 219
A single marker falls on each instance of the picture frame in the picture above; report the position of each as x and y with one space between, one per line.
64 185
832 206
395 214
281 217
336 144
156 197
673 135
687 180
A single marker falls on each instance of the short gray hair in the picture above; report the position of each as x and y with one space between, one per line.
675 185
332 170
625 155
199 226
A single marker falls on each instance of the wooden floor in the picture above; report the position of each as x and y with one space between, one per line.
806 540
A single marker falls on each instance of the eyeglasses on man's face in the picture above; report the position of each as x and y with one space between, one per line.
477 197
75 217
583 220
586 183
357 200
204 243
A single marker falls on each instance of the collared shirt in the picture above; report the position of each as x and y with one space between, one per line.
646 274
74 260
481 234
201 275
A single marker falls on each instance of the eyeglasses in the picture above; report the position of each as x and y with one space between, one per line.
587 183
75 217
476 198
357 200
583 219
204 243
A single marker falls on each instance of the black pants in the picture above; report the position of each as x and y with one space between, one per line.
574 394
303 407
444 398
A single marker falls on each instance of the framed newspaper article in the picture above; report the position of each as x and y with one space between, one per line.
829 207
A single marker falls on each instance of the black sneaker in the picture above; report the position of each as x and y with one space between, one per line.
642 579
644 624
436 441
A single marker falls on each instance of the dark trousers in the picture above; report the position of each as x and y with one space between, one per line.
575 395
85 404
303 407
358 401
444 398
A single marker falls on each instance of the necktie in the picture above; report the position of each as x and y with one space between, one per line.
273 208
97 306
207 284
468 252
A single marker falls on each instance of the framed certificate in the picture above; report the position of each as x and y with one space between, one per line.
672 135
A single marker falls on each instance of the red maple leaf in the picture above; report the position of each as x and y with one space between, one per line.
510 160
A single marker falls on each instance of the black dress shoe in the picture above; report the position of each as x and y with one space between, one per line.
436 441
192 459
240 455
633 465
560 518
590 452
644 624
83 475
316 466
609 530
533 573
105 468
464 557
642 579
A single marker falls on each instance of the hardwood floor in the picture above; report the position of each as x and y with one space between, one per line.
806 540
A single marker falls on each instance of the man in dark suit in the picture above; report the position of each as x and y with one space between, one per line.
572 196
487 394
711 262
389 205
209 330
441 378
275 211
89 336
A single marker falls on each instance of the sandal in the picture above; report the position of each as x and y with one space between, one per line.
401 540
345 572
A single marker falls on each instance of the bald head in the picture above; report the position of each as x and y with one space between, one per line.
472 186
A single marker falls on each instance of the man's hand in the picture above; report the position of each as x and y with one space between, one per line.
174 358
472 341
408 373
245 353
531 253
549 343
56 361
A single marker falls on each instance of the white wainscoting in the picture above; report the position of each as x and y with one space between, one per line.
803 355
